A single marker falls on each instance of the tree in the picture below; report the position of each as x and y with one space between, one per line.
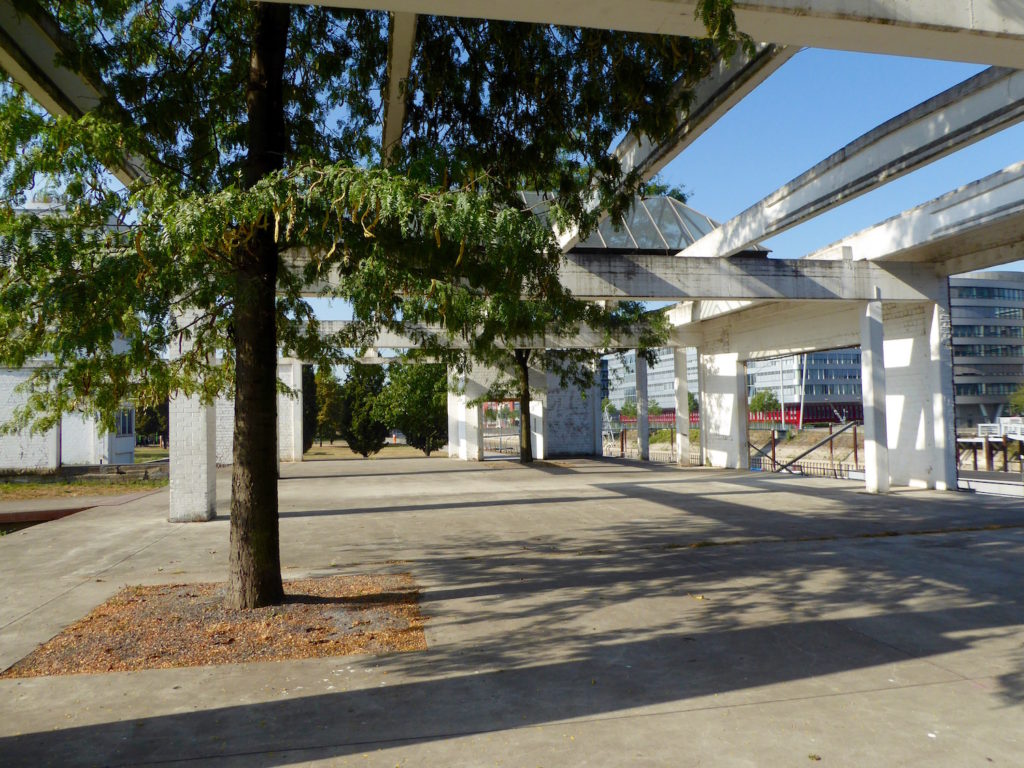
1017 402
629 409
361 428
221 110
653 409
309 407
764 401
416 402
328 404
692 402
609 409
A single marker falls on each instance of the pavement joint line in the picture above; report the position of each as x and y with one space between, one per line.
399 741
92 577
907 654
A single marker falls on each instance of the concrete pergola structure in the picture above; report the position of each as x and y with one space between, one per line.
882 287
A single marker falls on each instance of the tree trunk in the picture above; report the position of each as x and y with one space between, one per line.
522 357
255 562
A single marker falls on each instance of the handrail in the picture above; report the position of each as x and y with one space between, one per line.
816 446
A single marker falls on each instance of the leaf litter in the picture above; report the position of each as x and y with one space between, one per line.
187 625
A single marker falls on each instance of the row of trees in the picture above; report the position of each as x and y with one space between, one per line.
412 398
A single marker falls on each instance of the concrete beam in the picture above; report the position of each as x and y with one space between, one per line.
29 46
968 112
724 88
668 278
978 225
587 338
983 31
401 38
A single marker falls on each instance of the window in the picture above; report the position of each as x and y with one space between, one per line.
125 421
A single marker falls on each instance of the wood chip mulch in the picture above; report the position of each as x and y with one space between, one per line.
186 625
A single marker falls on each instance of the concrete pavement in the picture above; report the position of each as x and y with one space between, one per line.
581 613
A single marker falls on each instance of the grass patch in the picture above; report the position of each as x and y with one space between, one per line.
71 488
150 453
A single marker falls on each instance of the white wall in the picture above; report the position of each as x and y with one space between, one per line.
22 450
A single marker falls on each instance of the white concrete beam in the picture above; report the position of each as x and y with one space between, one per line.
984 31
668 278
401 38
29 46
968 112
978 225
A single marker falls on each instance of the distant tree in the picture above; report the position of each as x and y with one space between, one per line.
364 432
629 409
764 401
309 407
693 402
653 409
504 412
1017 402
153 421
416 402
656 187
608 407
328 405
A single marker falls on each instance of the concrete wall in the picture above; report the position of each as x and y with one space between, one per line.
572 423
22 450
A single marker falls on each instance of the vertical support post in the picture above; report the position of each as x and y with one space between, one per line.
289 411
856 462
989 461
1006 456
775 464
193 451
682 403
872 362
642 427
702 410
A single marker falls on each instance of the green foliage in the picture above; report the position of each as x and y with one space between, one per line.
653 409
692 402
659 436
628 409
361 428
309 407
1016 402
328 404
609 409
416 402
764 401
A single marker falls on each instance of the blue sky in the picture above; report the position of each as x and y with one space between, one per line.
815 104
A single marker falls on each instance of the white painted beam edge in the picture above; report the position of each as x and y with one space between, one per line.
401 39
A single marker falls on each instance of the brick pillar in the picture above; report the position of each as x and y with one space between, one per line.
193 460
682 403
289 411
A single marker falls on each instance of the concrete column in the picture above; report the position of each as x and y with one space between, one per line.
723 409
193 453
642 427
682 402
193 459
940 374
701 412
289 411
872 363
465 423
538 428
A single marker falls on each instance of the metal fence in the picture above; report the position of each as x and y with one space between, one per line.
835 469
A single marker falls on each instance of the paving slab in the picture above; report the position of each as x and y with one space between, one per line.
580 613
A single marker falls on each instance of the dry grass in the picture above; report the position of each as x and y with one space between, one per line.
69 489
187 625
341 451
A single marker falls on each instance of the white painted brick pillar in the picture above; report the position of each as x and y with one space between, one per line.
701 413
465 423
941 377
872 365
289 411
643 431
723 409
682 403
